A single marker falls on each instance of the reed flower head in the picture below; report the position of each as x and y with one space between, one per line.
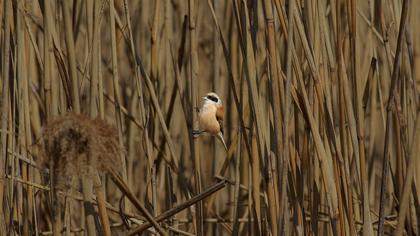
76 146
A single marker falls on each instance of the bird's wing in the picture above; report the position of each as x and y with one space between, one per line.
219 116
221 126
220 113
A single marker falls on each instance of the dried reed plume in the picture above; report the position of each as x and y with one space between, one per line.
77 146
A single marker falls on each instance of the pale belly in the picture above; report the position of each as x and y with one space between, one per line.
209 123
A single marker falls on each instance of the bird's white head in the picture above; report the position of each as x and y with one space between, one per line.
212 98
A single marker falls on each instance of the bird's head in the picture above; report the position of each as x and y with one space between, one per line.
212 98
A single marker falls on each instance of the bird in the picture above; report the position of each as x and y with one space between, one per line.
210 118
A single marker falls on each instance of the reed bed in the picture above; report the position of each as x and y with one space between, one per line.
99 100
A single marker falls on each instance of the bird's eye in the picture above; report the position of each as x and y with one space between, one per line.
213 98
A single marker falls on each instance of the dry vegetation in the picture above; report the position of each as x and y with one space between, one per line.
98 104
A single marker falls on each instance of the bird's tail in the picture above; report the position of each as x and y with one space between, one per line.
220 137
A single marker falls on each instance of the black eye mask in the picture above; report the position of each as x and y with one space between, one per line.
213 98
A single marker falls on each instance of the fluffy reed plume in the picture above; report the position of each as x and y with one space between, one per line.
77 146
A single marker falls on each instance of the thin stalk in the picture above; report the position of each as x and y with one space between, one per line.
235 211
54 81
255 168
154 52
48 48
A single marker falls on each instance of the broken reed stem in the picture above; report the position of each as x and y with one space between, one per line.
124 188
180 207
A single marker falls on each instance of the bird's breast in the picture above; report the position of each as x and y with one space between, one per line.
209 123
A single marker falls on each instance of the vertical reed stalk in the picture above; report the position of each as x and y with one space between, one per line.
68 25
195 149
24 121
100 198
87 184
275 81
4 107
117 93
407 188
50 102
390 109
284 171
154 53
255 167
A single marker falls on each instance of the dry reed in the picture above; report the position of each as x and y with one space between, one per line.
322 117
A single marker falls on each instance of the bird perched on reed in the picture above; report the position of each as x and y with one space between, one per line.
210 118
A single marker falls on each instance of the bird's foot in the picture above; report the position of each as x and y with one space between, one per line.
196 133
